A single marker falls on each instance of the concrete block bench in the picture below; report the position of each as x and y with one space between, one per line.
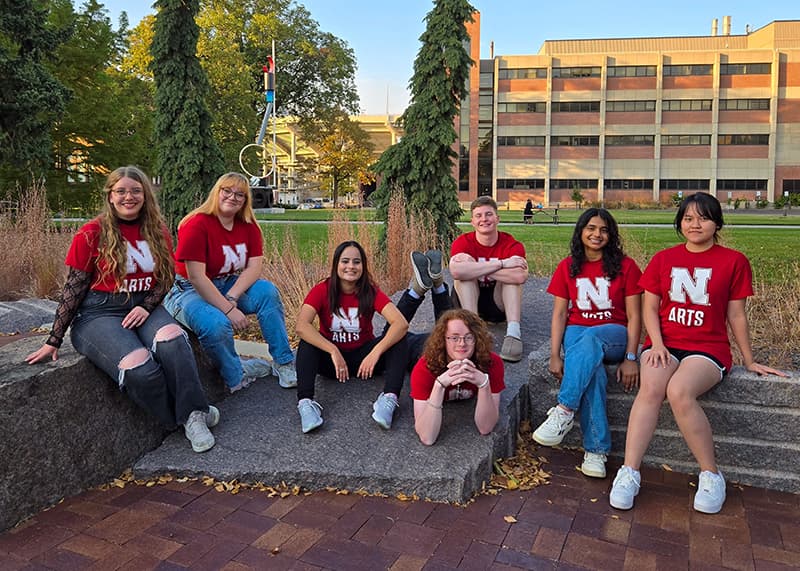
755 420
64 427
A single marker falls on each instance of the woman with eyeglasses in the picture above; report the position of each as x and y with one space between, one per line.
120 268
344 345
457 364
218 283
597 319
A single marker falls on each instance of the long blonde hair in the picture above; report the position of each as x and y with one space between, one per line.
111 247
211 205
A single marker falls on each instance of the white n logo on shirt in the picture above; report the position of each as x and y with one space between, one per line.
695 286
349 323
589 292
234 260
140 258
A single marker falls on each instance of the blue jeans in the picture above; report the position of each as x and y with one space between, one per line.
214 329
167 384
583 387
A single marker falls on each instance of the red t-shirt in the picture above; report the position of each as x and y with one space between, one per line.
83 255
695 288
348 330
203 238
422 380
593 299
505 247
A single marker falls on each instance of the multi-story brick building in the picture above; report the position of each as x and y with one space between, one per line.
635 120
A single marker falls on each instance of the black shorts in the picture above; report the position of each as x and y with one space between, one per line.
487 308
681 354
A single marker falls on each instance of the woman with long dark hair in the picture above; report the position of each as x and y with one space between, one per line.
458 364
344 345
120 268
597 319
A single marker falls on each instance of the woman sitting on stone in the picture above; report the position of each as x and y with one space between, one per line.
120 268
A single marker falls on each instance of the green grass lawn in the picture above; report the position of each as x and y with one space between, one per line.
773 252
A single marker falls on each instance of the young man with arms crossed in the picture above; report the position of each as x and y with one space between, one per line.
488 269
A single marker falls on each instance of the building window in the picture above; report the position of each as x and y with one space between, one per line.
628 184
744 69
572 72
741 184
486 80
670 140
748 139
697 69
686 105
575 141
533 107
631 71
522 73
684 184
576 107
743 104
570 183
630 140
520 183
523 141
630 106
791 185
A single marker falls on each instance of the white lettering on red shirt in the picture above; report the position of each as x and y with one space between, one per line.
235 260
696 285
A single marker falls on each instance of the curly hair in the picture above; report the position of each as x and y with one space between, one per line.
112 248
436 346
210 206
612 251
365 288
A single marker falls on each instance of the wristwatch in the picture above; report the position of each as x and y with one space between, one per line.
630 356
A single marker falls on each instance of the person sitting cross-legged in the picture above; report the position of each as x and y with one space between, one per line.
489 268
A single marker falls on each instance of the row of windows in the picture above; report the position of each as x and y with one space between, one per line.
576 107
631 71
630 140
636 70
630 106
524 141
642 184
686 105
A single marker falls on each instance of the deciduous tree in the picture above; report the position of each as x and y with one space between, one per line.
345 153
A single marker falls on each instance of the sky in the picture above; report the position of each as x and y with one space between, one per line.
384 34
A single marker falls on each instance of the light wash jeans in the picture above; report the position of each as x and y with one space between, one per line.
166 384
214 329
583 387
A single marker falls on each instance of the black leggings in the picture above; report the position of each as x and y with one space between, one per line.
312 361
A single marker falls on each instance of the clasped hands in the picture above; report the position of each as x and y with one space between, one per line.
459 371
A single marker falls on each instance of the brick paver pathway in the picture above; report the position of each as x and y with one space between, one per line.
565 525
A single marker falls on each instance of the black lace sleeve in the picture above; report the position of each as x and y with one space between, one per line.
74 291
155 296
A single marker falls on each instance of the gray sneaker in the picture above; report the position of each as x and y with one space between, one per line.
212 416
256 368
421 282
287 375
310 414
197 432
383 409
435 267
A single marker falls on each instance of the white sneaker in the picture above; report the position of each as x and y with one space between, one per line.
287 375
197 432
383 409
553 430
255 368
625 487
212 416
594 465
710 492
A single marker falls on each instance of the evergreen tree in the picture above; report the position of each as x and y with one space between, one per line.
31 99
188 156
421 164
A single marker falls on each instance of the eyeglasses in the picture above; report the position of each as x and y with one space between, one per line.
467 339
121 192
238 196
